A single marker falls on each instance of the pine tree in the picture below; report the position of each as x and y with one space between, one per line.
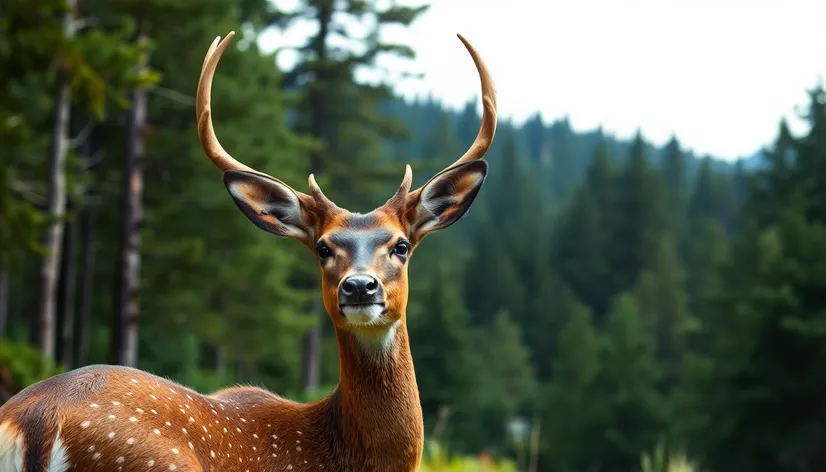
569 412
449 368
664 307
764 399
675 174
582 247
634 410
643 219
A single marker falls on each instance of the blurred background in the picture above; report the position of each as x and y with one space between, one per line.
640 286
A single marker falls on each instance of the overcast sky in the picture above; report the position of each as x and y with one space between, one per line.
717 73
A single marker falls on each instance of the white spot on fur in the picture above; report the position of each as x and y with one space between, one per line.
134 381
85 424
150 462
96 456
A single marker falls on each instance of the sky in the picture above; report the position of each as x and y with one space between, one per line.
717 74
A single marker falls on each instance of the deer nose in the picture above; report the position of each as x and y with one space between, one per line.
359 289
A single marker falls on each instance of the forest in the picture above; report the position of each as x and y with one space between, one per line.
607 305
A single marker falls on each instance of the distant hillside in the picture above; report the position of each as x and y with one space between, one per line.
554 149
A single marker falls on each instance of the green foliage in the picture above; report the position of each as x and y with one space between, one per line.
24 364
436 459
659 460
569 417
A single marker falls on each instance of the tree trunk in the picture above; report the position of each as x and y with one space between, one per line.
56 197
311 352
219 362
4 298
67 293
124 336
319 123
87 284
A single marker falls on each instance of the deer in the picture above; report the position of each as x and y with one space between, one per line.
118 418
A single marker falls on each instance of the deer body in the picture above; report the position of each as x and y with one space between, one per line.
113 418
109 418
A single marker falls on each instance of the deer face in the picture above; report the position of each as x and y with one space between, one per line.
363 257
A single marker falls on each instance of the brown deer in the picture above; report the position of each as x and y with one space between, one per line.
110 418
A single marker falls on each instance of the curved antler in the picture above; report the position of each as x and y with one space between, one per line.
206 131
487 130
203 110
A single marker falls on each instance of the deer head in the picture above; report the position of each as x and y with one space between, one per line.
363 257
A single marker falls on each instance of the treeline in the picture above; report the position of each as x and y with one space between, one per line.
614 295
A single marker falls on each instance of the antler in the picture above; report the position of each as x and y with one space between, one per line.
203 110
487 130
206 132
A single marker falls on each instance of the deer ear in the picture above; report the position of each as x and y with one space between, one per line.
269 203
445 198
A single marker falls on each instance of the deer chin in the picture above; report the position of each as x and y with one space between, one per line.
371 314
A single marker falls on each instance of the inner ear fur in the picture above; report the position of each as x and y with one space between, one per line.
445 198
271 204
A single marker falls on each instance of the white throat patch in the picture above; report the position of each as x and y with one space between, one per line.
378 343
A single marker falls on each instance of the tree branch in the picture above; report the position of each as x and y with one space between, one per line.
94 160
82 136
174 95
27 193
82 23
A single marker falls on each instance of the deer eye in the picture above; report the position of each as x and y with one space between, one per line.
323 251
401 249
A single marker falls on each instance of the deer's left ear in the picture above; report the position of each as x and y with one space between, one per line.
445 198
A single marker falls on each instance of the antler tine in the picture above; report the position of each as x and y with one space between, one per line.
203 109
487 130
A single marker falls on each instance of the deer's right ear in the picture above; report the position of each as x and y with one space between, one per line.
271 204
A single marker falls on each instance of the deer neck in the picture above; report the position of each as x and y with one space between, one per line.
377 401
